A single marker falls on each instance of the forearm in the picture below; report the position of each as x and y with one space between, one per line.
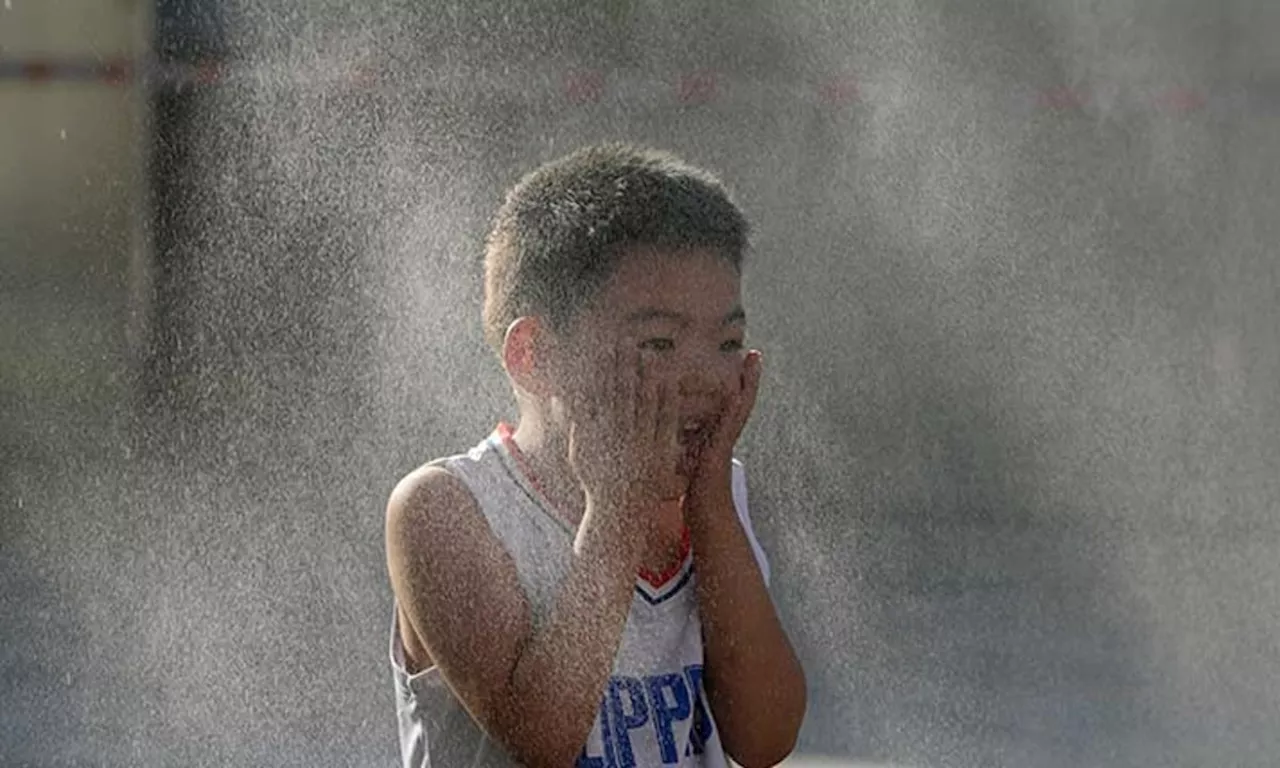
562 671
754 681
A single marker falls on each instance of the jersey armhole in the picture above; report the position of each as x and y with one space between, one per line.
739 484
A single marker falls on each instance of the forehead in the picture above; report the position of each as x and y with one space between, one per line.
697 283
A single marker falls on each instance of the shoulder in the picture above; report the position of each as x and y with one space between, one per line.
443 562
427 491
432 510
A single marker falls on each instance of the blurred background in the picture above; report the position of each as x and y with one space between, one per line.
1015 276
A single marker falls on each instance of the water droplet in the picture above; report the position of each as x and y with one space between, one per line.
8 5
63 134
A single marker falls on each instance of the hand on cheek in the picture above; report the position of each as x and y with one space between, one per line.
717 456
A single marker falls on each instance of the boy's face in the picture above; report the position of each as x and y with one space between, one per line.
681 315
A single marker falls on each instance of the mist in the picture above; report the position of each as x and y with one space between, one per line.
1013 274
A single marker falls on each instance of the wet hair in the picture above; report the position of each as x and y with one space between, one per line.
562 228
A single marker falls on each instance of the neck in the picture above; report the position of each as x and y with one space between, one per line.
546 450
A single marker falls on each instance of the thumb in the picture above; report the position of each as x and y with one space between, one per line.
573 441
743 402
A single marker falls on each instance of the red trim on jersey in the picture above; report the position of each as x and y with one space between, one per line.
507 435
658 580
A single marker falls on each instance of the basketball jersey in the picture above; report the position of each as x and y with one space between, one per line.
653 710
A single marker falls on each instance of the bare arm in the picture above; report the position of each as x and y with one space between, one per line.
537 693
755 684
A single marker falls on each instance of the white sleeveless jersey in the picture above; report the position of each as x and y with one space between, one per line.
653 711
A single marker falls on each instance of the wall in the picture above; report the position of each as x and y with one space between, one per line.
73 265
1015 276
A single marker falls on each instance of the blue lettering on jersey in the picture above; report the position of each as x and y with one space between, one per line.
653 706
668 711
607 760
703 726
624 721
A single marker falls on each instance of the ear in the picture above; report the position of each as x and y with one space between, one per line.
525 354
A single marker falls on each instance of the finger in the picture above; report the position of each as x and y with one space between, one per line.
739 406
750 384
624 386
576 396
648 405
667 434
644 400
606 387
575 437
575 407
588 396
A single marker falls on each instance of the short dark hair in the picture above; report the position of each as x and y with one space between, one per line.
561 229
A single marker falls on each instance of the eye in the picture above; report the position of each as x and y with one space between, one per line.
733 345
659 345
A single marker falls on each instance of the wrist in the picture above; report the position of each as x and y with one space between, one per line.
709 499
610 532
713 483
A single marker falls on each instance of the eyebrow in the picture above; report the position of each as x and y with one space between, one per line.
648 314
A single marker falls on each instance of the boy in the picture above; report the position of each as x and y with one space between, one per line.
522 634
